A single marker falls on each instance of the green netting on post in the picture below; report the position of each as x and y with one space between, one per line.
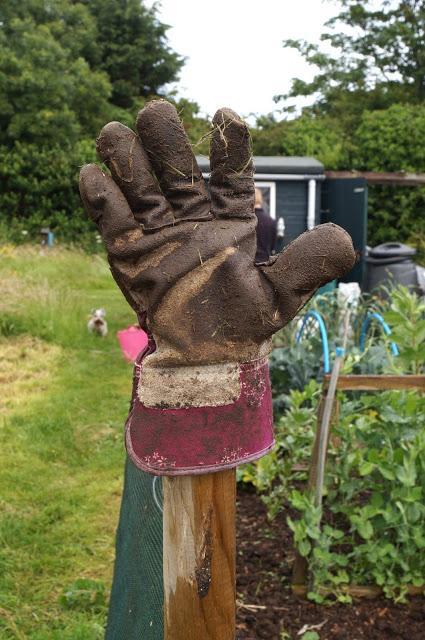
136 605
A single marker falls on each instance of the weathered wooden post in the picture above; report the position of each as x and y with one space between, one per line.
199 557
184 257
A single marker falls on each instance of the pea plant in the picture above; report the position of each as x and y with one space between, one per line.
371 527
374 512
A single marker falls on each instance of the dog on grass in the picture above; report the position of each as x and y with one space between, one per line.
97 323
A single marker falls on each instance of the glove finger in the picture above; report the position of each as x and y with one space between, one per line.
232 168
106 205
167 145
121 150
309 262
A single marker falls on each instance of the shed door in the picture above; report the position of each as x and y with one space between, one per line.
344 202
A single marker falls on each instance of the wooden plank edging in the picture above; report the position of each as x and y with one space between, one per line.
378 382
355 591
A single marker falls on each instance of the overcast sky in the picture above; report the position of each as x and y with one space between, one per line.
234 48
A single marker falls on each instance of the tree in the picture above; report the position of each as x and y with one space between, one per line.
120 38
49 93
378 58
370 88
68 21
320 137
133 49
56 93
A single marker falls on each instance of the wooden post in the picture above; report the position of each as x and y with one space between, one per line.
199 557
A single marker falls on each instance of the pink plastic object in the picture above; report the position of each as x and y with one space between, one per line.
132 341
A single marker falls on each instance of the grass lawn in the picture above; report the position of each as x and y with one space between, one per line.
64 396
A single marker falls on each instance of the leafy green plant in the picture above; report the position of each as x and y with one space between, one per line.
375 486
406 315
274 475
84 594
371 528
293 364
310 635
291 368
10 325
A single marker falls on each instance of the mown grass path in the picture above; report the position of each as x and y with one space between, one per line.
63 400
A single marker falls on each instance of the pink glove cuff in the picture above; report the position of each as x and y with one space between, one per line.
202 439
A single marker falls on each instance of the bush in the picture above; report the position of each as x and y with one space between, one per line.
390 140
39 187
397 214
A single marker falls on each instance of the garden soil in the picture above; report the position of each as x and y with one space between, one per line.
267 608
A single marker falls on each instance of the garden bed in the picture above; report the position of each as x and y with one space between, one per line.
268 609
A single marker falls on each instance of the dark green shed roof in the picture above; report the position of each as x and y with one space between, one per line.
277 165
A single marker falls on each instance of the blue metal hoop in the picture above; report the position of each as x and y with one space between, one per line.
323 334
365 326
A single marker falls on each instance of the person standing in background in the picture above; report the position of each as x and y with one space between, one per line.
266 230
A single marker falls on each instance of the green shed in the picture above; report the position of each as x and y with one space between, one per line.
291 188
298 192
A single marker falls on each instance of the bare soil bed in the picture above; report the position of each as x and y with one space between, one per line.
267 608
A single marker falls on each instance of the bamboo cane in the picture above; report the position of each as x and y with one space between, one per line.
327 413
320 448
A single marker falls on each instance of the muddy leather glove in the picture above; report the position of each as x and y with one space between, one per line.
184 259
